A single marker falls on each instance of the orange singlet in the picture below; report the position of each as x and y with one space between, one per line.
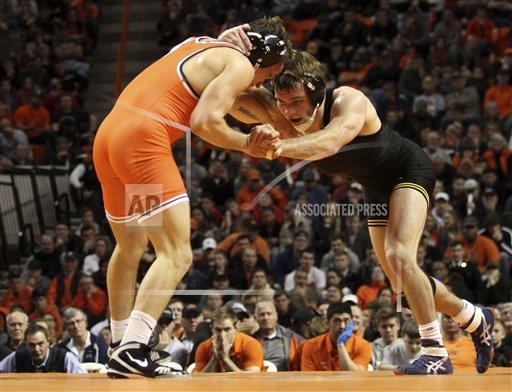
132 149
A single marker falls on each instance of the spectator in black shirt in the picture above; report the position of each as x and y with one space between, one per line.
49 256
285 308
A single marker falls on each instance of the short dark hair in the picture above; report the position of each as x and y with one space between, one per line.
301 67
410 329
260 269
85 228
385 314
308 250
456 243
338 308
279 293
34 264
267 26
35 328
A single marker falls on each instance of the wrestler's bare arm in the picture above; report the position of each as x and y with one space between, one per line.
256 105
248 110
207 119
348 115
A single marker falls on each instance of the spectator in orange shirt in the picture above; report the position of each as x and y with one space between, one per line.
91 299
339 348
501 93
17 294
460 347
228 350
247 193
241 239
33 118
369 292
42 307
64 286
480 249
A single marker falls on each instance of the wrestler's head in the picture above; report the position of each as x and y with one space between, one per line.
300 89
270 46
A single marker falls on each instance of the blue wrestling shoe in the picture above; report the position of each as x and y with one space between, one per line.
433 360
482 339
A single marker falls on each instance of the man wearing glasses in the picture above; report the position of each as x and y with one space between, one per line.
85 346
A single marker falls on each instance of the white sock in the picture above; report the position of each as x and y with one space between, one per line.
118 328
469 317
431 331
140 327
467 314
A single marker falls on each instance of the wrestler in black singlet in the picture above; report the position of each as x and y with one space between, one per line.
381 162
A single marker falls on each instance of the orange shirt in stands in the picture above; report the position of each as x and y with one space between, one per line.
94 303
502 95
33 120
228 245
23 298
482 252
321 353
245 352
367 293
462 353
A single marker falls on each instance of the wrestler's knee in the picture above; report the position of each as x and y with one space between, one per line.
178 257
399 257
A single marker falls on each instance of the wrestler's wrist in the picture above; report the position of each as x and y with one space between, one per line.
247 143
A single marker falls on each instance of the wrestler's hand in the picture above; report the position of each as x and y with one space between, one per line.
236 36
264 142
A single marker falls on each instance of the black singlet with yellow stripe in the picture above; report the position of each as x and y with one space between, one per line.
381 162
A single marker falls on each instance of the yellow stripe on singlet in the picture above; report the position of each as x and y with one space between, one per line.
417 187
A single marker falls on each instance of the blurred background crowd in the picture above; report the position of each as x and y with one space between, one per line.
438 72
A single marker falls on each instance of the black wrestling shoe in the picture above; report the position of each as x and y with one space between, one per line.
134 359
159 356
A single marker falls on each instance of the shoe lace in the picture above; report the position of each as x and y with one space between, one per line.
154 355
432 366
485 336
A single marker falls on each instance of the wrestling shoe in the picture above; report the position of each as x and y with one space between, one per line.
433 360
158 356
134 359
482 339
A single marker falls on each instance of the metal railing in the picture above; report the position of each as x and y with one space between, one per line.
121 51
32 199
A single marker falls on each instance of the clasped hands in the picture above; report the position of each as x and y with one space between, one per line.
221 347
264 142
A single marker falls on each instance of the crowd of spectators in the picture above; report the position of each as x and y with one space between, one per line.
44 65
437 72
